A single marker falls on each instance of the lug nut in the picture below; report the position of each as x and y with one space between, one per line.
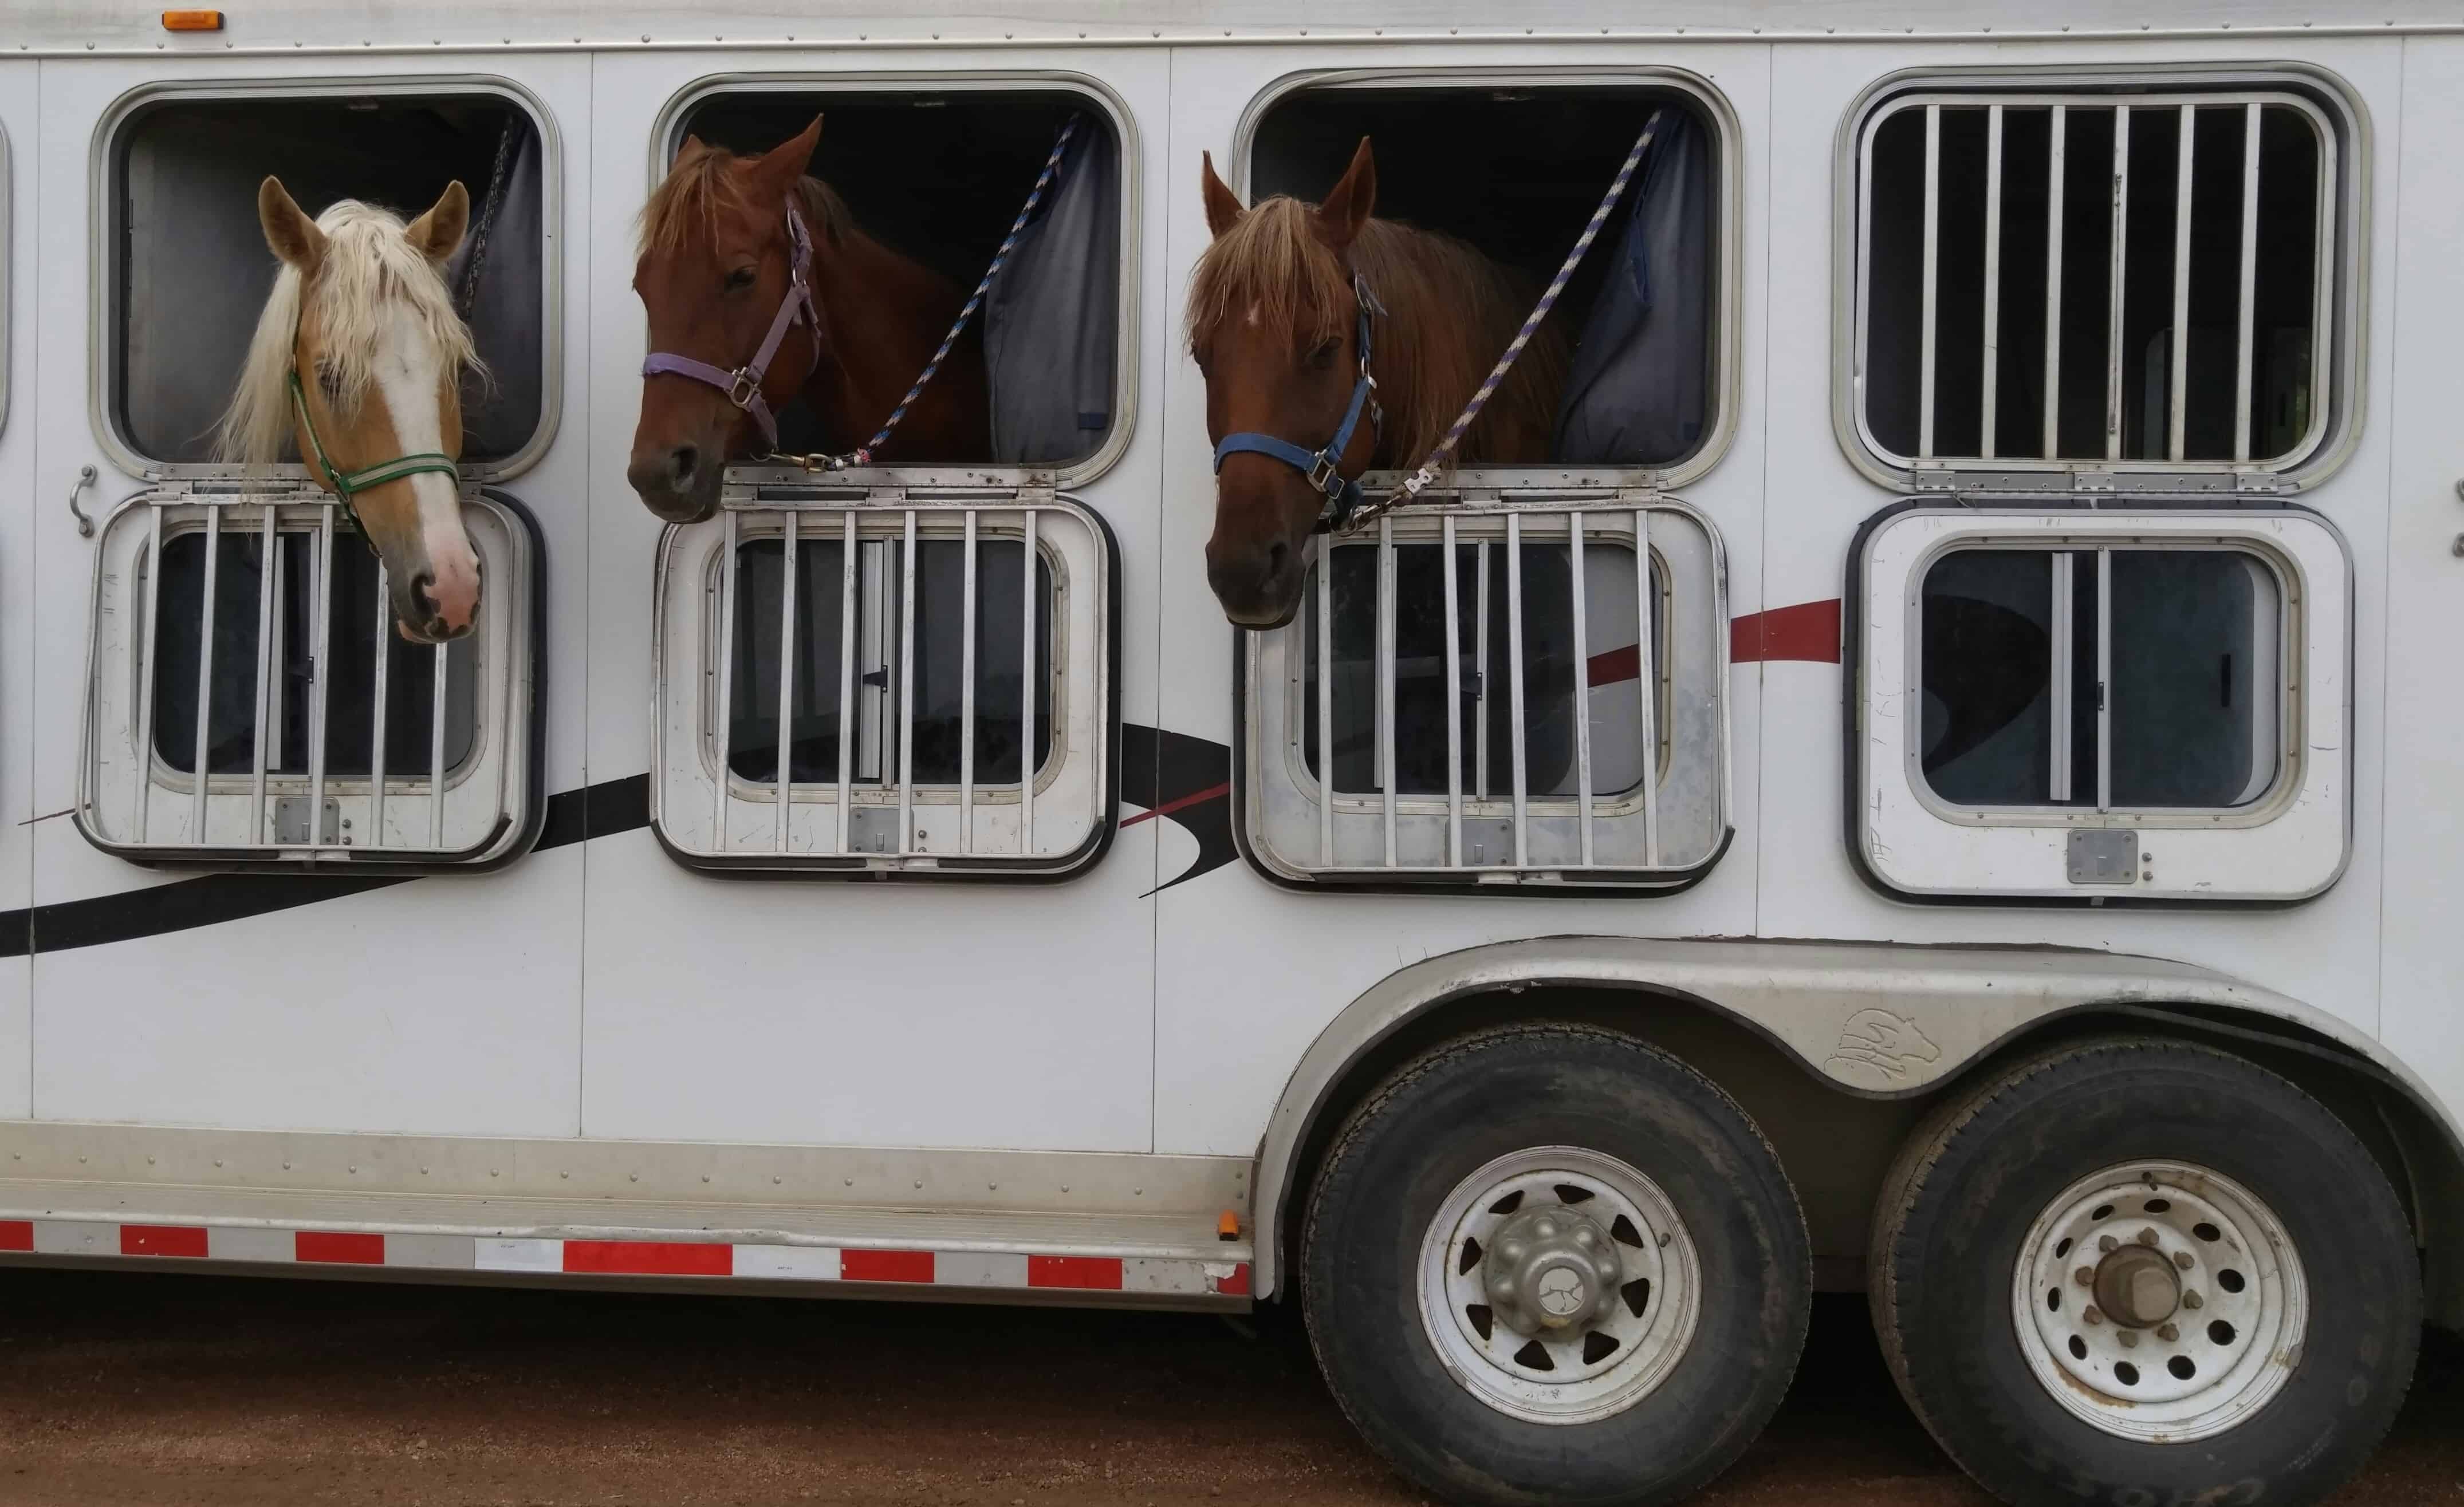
2168 1333
2107 1244
2092 1316
2085 1275
2129 1338
2193 1300
2147 1236
2182 1259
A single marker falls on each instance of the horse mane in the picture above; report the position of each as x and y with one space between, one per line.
369 265
701 189
1450 312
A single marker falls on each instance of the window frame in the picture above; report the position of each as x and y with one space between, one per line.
2340 351
508 735
8 266
667 136
1081 659
1911 843
105 224
1726 343
1693 594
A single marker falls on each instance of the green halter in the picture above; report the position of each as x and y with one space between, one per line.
347 485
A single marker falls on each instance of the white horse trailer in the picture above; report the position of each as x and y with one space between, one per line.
1973 818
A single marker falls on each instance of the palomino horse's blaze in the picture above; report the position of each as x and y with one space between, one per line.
360 315
717 258
1274 322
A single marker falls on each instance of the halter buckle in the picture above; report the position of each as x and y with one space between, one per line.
1322 475
744 384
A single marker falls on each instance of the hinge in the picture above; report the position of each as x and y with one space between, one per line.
1646 494
1037 494
2262 483
1933 476
2091 478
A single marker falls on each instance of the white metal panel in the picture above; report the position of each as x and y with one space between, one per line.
2423 961
20 140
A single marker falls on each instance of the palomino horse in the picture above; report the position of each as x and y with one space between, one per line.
358 361
1277 325
760 287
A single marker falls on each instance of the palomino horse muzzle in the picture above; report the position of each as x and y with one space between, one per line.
743 385
1342 493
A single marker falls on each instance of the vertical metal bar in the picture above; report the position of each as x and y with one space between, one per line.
149 633
1454 701
439 699
1933 259
1386 675
1992 278
967 699
205 678
320 642
1480 677
267 545
377 717
906 843
1027 595
1646 618
1582 684
2105 680
1326 700
2113 303
718 794
2059 131
1514 668
2178 394
2059 691
786 665
847 676
2243 352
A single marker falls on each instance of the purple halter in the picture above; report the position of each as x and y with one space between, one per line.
743 385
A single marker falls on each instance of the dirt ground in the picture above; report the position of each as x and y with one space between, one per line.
132 1389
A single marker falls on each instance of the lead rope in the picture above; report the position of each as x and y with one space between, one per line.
491 204
1418 481
861 456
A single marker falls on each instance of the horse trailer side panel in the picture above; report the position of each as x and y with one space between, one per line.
20 140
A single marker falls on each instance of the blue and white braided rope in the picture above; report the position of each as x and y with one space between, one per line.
862 456
1418 481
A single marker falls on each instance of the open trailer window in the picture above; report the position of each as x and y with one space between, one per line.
936 171
2128 272
1505 695
2104 705
188 268
1514 163
867 687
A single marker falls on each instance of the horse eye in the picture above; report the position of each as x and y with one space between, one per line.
329 381
741 277
1325 354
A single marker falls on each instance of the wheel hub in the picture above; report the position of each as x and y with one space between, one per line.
2135 1285
1552 1269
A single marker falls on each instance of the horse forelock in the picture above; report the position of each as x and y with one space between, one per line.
705 187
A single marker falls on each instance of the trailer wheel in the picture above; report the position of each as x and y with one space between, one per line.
2146 1272
1552 1263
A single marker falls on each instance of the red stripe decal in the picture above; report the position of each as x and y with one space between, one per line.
1210 793
333 1248
1808 631
1236 1285
885 1266
162 1240
1097 1272
17 1235
1609 666
650 1258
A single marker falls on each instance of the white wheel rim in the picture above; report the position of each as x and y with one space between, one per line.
2225 1347
1639 1325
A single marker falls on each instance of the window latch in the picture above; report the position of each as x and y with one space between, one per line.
876 677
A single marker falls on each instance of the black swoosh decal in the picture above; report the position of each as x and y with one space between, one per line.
1185 780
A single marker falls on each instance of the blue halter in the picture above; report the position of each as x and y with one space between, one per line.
1342 494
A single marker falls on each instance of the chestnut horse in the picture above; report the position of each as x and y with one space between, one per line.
357 361
717 257
1274 324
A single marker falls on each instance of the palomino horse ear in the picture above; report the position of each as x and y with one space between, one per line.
784 164
288 231
438 232
1223 206
1346 209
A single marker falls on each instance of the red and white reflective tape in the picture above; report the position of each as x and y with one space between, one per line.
972 1269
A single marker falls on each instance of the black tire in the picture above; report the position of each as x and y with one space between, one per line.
1975 1177
1454 1111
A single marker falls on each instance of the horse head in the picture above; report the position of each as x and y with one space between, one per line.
357 362
726 285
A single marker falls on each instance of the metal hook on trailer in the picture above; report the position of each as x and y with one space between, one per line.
84 479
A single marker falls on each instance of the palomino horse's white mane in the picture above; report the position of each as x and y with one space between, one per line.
370 268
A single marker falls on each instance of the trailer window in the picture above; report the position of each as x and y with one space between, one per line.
937 174
2100 274
2076 704
189 267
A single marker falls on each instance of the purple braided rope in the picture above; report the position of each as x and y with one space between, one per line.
862 456
1428 471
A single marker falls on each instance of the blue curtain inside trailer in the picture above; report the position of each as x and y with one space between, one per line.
1051 318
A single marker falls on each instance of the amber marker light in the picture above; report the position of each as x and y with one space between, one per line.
192 20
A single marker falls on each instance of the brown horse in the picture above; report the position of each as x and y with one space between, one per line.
715 268
1272 324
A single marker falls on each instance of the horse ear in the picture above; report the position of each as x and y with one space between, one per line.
1338 220
438 232
1223 206
785 163
288 231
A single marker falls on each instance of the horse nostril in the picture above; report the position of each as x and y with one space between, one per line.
1277 554
682 461
423 591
